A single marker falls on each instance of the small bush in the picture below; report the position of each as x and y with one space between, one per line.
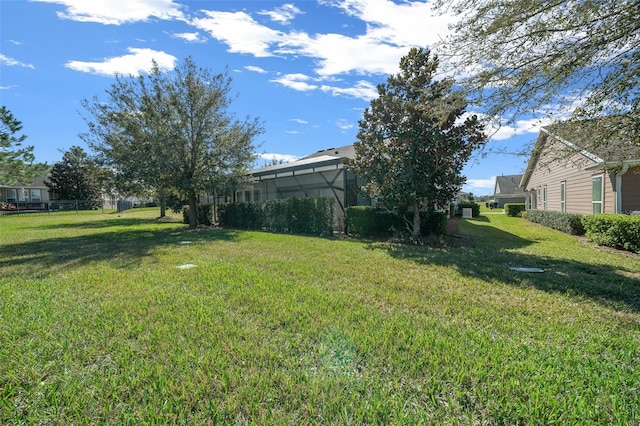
514 209
566 222
475 208
614 230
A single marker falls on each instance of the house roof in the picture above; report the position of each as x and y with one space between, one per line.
323 158
509 184
605 142
607 138
38 182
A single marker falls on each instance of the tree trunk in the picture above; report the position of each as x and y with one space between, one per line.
193 214
163 204
416 220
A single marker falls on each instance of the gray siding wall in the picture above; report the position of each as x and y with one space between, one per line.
553 167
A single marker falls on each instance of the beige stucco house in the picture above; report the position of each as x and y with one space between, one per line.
571 170
32 195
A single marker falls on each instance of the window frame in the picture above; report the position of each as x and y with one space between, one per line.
563 196
595 202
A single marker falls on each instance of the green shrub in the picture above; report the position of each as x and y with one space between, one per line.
293 215
514 209
204 214
566 222
371 221
475 208
434 223
368 221
614 230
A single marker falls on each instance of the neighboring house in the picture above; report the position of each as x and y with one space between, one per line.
34 195
323 174
507 190
571 171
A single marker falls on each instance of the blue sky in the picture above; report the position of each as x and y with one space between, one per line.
307 68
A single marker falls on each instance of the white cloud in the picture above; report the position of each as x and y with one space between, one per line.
292 132
296 82
136 62
8 87
519 127
391 29
286 158
475 185
190 37
299 121
409 23
239 31
15 42
362 90
283 14
255 69
110 12
6 60
304 83
344 124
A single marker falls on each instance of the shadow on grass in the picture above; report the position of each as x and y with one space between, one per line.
490 257
124 248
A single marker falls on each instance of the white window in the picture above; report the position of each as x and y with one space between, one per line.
544 197
25 195
563 187
597 194
256 195
539 196
36 196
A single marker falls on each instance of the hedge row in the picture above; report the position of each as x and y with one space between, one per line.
514 209
566 222
204 214
292 215
370 221
614 230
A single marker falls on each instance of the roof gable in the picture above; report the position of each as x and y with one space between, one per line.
604 142
509 184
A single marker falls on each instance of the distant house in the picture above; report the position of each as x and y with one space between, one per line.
33 195
507 189
570 170
322 174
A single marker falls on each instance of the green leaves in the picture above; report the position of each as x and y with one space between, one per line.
412 144
577 58
172 132
16 161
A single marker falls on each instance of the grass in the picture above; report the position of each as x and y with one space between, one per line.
99 325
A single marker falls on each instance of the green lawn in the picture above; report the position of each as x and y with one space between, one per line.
98 324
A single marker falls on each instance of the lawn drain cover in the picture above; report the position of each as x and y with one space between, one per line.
523 269
187 266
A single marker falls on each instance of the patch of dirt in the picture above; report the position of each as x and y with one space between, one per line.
453 237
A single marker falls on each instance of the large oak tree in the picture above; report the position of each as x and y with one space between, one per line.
172 132
414 139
